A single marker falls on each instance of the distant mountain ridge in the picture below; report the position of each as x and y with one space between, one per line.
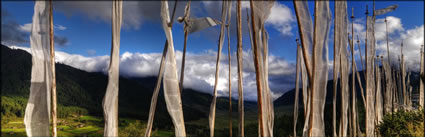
76 87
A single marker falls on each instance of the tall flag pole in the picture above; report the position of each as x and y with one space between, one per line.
297 79
240 68
52 63
158 81
171 84
422 75
229 11
110 101
186 32
338 22
37 111
260 10
323 17
353 73
211 116
257 71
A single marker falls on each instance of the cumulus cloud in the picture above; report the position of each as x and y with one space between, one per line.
412 40
13 33
281 18
199 70
134 12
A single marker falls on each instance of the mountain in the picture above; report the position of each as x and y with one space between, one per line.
86 90
288 98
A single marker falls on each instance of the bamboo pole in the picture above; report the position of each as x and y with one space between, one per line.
298 67
360 51
366 72
353 74
158 81
240 70
421 77
304 47
52 63
185 18
229 58
386 32
403 77
220 46
335 75
358 75
316 3
257 73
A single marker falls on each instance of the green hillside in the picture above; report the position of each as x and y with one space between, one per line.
81 93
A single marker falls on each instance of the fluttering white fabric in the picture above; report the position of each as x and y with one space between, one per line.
198 24
388 87
305 26
403 76
304 79
110 101
156 92
422 80
171 83
370 77
323 19
261 10
385 10
378 103
211 117
297 79
37 112
341 64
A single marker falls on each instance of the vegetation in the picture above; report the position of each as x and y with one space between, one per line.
403 124
80 113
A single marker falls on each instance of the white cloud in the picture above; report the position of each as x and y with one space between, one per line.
394 26
199 70
60 27
25 27
412 40
281 18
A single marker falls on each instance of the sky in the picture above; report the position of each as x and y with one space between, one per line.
83 39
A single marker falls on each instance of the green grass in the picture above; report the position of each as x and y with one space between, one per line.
91 118
93 126
84 130
163 133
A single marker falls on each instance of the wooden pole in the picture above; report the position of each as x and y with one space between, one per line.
304 47
229 58
52 63
185 45
313 73
240 70
366 71
335 81
257 72
158 81
353 74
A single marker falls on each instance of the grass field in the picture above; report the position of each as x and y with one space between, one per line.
75 126
93 126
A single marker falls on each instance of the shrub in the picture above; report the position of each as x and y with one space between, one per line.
402 123
135 129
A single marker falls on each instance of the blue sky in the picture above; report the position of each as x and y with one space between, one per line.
87 30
